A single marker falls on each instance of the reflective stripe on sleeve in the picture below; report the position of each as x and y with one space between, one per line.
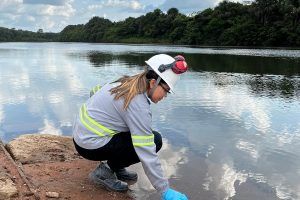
92 125
138 140
95 89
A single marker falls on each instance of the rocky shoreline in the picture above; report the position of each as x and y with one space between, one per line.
44 166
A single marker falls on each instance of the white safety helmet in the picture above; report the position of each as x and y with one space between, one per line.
167 74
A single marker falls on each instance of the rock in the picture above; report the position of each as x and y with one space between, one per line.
52 194
35 148
7 187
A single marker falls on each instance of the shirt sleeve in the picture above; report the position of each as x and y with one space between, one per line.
139 123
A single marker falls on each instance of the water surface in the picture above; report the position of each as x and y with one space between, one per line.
231 130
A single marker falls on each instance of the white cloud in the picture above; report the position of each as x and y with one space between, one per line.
6 3
284 192
10 16
2 116
49 10
255 114
10 7
222 180
55 97
188 6
19 86
228 180
32 15
248 147
47 2
46 24
30 18
237 1
116 8
28 14
49 128
95 7
134 5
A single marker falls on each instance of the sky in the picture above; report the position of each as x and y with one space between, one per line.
54 15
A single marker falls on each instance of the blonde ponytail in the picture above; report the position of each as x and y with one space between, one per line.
130 87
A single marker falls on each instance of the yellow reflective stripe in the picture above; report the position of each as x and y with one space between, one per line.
85 115
96 123
88 126
96 88
141 140
142 136
143 144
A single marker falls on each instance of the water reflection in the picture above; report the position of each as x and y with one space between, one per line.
100 59
275 86
232 99
38 94
278 77
231 130
173 159
245 64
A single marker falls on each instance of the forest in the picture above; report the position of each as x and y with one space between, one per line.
263 23
13 35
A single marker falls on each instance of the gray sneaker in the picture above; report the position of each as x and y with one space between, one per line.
104 176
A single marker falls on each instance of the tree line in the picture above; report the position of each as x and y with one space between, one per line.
261 23
13 35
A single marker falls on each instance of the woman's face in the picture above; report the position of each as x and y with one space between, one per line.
159 92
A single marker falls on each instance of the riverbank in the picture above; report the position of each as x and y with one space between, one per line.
144 43
42 166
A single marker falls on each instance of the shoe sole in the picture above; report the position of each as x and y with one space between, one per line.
102 183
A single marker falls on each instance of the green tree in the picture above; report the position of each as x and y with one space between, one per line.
72 33
262 23
179 26
95 29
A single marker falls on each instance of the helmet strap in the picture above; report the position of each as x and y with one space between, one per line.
154 87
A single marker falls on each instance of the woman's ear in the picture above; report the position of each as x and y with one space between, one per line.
152 83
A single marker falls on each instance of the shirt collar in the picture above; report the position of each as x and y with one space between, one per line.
148 99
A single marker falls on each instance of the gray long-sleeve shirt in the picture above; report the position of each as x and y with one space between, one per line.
137 119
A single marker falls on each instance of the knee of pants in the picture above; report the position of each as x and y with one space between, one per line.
157 140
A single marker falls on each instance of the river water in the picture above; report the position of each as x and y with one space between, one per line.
231 130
